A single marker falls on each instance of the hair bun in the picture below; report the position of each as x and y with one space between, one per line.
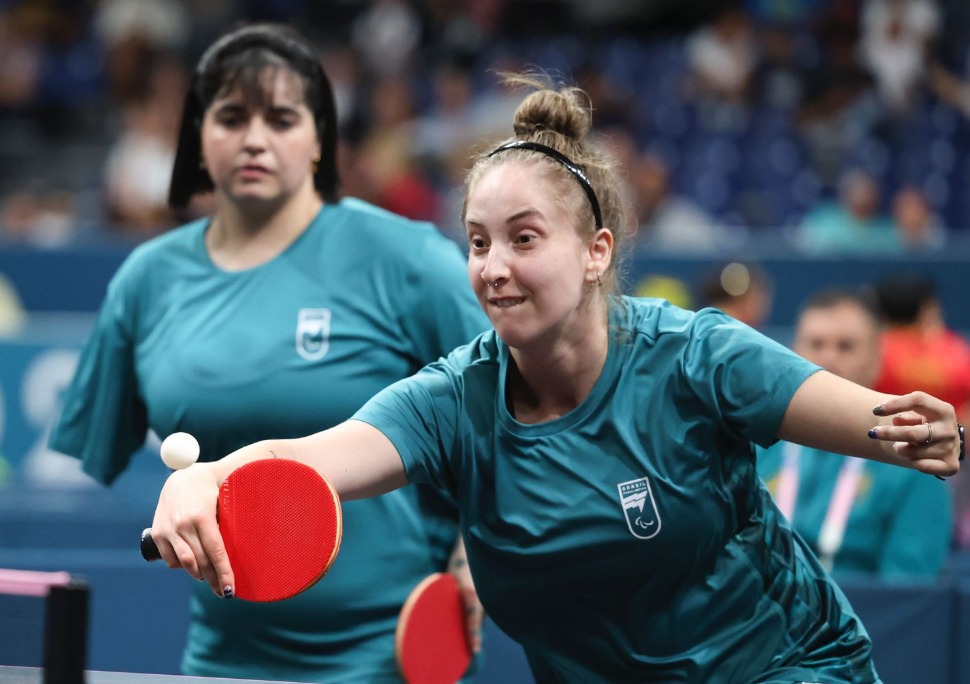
563 110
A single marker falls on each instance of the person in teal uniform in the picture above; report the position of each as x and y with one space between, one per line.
861 518
285 310
600 447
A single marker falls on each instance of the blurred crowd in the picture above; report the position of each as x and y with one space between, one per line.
835 126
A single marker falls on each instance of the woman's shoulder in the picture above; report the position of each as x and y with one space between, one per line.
402 245
483 350
653 316
158 256
178 240
363 216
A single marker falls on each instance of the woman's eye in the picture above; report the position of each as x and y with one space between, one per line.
283 123
229 120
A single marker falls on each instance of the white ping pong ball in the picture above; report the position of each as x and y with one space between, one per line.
179 450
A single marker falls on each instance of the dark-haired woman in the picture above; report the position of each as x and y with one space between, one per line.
600 448
285 310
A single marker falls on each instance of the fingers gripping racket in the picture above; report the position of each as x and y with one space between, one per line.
430 644
281 524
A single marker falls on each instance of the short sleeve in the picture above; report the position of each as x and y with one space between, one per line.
420 416
745 376
103 419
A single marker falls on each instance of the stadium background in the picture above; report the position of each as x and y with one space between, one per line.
753 159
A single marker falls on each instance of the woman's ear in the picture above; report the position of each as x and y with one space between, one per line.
601 251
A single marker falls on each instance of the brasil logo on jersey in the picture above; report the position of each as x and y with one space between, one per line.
312 333
640 508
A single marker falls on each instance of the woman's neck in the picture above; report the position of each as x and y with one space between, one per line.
242 237
547 384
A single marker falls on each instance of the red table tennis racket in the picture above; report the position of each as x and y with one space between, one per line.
430 643
281 524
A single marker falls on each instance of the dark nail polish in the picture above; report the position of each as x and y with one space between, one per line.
227 593
873 434
879 410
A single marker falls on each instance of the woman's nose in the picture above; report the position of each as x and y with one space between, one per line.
255 138
496 268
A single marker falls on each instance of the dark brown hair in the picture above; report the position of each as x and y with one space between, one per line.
240 58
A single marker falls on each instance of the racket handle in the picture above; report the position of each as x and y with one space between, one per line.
148 549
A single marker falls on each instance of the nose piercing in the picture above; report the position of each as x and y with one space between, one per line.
487 284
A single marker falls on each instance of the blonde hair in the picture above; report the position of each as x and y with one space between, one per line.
560 117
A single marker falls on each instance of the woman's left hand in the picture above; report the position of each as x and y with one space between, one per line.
924 430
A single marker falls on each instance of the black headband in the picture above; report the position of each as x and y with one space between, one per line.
565 161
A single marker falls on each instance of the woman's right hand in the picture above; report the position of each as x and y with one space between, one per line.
186 530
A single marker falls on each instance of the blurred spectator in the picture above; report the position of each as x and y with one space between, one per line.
949 87
854 224
616 106
839 106
448 124
860 517
460 116
70 83
918 226
668 221
138 168
461 30
920 352
38 217
20 59
341 63
387 35
385 158
721 56
134 30
741 290
778 79
895 41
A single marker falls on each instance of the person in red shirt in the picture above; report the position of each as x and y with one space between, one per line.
919 351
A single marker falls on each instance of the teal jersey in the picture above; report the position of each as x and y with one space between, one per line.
361 299
899 525
631 539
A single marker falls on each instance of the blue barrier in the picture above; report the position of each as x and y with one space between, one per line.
76 279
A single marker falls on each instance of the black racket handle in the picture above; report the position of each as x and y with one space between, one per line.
148 549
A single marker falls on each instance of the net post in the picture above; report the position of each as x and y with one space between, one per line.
66 633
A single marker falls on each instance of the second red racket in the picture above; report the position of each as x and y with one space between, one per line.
430 644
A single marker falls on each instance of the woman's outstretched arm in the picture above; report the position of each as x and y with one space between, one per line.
357 459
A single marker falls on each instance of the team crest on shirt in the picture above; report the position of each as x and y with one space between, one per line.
312 333
640 509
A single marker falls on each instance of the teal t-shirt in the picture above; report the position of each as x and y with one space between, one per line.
631 539
361 299
898 528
